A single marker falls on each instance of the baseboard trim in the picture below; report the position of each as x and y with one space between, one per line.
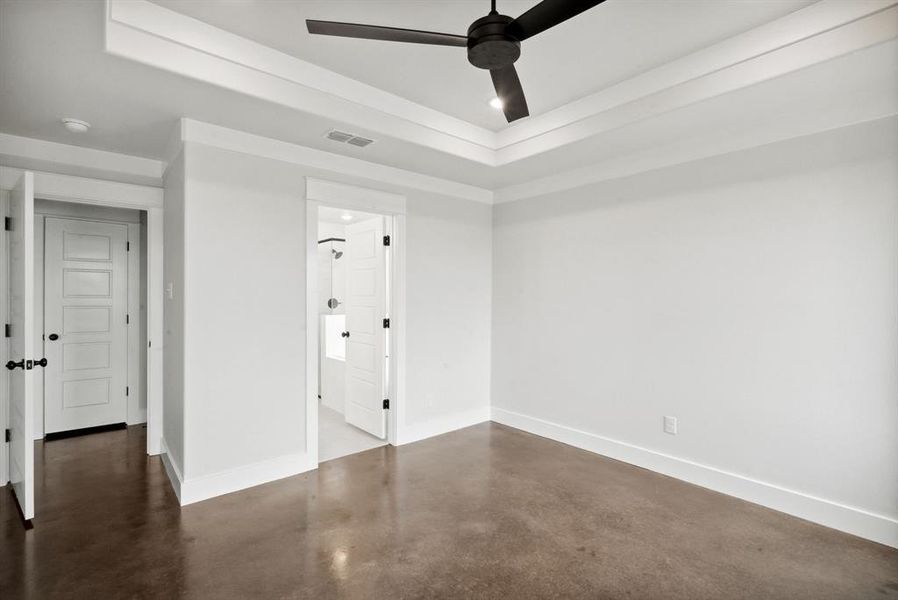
875 527
441 425
217 484
171 469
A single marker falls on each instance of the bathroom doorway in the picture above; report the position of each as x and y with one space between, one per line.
353 345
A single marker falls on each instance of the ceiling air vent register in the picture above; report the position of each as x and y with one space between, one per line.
348 138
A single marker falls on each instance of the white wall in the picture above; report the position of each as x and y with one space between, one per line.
753 296
331 283
244 311
242 252
173 411
449 273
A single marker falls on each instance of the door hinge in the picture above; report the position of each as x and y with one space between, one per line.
386 403
7 330
127 246
127 390
386 323
7 435
386 240
7 223
127 319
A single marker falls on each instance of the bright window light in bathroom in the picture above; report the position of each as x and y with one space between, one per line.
346 217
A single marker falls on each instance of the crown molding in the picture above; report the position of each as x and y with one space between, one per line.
67 188
680 154
816 19
664 96
191 131
41 155
153 35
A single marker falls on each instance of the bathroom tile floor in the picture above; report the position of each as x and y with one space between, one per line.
338 438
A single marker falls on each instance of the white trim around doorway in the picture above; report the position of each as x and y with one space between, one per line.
320 192
98 192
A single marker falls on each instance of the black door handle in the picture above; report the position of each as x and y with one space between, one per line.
53 337
13 365
40 363
344 334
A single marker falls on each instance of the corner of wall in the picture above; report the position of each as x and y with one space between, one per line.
232 480
443 424
172 469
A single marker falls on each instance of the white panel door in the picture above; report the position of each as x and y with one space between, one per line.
365 311
85 327
21 318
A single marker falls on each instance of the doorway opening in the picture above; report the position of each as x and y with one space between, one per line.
90 275
354 289
90 264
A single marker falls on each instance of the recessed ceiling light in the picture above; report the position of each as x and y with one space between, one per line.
496 103
76 125
346 217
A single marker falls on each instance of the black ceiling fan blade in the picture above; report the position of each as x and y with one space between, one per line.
546 14
389 34
508 88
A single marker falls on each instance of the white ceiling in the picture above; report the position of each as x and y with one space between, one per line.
328 214
53 65
610 43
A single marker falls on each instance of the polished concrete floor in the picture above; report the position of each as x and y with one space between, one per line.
337 438
485 512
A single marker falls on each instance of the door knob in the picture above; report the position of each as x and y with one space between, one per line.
40 363
344 334
12 364
53 337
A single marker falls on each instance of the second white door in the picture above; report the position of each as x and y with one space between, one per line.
365 311
85 324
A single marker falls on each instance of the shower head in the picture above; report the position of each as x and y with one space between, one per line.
337 253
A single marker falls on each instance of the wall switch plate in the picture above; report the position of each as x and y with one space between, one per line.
670 425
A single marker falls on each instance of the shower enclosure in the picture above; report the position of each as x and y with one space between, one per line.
332 313
332 283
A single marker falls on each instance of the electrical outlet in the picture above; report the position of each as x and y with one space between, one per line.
670 425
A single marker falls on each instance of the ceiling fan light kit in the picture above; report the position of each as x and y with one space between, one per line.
493 42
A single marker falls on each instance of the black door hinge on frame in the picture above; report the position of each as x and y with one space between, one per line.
7 223
7 330
386 240
8 435
127 246
386 403
386 323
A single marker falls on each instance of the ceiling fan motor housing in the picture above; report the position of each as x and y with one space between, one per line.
489 46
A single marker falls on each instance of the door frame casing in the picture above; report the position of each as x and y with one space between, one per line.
320 192
4 345
100 192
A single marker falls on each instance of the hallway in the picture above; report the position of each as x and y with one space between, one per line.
484 512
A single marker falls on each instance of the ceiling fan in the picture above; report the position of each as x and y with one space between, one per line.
493 42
